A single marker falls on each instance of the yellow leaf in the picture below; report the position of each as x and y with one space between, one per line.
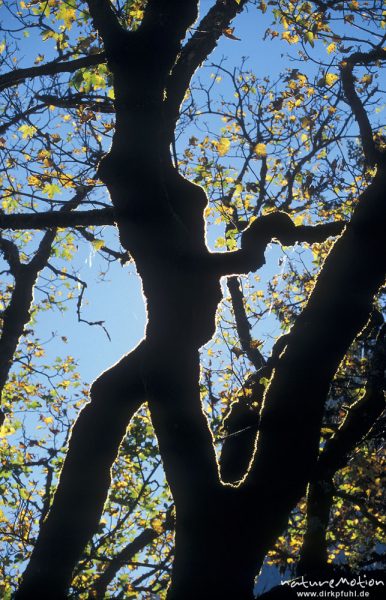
223 146
67 13
27 131
366 79
330 78
260 150
97 244
290 38
331 48
6 429
157 525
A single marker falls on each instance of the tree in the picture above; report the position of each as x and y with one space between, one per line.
285 167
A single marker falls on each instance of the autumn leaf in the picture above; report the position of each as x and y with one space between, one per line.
27 131
223 146
260 150
229 33
97 244
237 351
330 79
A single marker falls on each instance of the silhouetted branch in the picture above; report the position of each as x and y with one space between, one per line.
146 537
83 286
242 324
98 105
45 220
106 23
52 68
340 303
358 421
371 152
197 49
18 312
262 231
11 254
85 478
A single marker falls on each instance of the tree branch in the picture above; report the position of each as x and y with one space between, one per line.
197 49
52 68
361 416
359 420
242 324
106 23
371 152
261 232
85 478
126 555
146 537
97 104
11 254
337 309
45 220
18 312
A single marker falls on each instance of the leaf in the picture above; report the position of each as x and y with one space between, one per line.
97 244
27 131
67 14
223 146
289 37
237 351
260 150
330 79
51 189
309 37
331 48
229 33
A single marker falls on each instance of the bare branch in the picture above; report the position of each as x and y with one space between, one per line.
83 287
371 152
45 220
263 230
197 49
11 254
97 104
242 324
125 556
106 23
